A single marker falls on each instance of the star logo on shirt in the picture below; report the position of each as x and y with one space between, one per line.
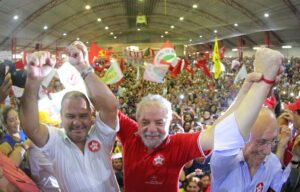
259 187
158 160
94 146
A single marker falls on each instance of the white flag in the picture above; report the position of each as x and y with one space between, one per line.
241 74
155 73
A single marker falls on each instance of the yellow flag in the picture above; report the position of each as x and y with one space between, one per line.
216 60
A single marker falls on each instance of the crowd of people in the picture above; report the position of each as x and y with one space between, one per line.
191 133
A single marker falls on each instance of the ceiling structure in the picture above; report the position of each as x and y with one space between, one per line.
230 18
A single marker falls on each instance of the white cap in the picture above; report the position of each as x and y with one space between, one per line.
116 156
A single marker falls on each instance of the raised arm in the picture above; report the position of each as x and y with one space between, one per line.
251 96
269 63
100 95
39 65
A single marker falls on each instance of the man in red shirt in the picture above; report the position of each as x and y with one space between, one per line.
153 158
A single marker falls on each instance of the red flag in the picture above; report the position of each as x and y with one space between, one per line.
188 67
202 64
94 52
222 52
176 69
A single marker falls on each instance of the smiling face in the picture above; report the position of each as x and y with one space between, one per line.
153 125
193 186
12 122
263 137
76 118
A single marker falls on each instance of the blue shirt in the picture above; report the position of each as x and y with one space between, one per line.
229 169
7 138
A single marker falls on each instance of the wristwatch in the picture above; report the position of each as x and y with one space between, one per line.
86 71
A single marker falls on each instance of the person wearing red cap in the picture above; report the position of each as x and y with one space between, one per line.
290 117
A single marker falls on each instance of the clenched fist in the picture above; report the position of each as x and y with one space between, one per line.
78 55
268 62
39 65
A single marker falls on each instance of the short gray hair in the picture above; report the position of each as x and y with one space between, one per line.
155 99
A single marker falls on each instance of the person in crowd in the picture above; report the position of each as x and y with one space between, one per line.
153 158
13 137
293 182
206 118
193 185
81 154
187 126
290 117
10 174
244 155
205 180
198 163
117 163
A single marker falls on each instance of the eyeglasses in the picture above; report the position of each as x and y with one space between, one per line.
263 142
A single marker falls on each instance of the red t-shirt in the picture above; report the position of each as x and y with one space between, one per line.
158 169
16 176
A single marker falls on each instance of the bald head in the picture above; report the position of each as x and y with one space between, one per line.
265 122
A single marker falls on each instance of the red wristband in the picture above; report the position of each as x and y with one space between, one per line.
267 81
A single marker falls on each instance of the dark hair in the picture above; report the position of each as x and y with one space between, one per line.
76 94
5 113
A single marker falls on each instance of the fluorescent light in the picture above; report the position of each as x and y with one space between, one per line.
215 31
87 7
162 36
236 25
115 37
181 18
138 29
266 15
16 17
191 40
78 39
166 32
64 34
200 36
255 48
111 33
45 27
286 47
106 28
195 6
172 26
235 49
99 19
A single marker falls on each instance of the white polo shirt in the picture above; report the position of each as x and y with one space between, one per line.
90 171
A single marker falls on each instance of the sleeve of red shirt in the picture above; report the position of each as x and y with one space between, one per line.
128 127
187 147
